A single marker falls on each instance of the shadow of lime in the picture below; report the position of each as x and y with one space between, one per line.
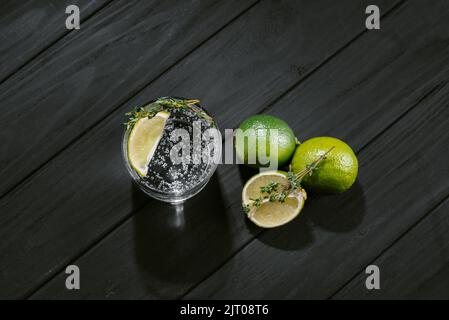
177 246
246 173
336 213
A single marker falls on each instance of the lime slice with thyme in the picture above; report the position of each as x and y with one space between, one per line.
143 140
270 214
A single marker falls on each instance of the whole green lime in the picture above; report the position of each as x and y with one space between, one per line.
335 174
262 137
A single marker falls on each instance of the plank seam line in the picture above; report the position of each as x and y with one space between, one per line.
126 100
401 236
432 92
269 106
52 43
325 61
128 216
103 236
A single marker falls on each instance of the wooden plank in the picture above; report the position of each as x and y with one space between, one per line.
139 266
30 27
415 267
338 236
79 81
60 95
84 199
402 173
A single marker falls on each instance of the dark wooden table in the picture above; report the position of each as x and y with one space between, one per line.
66 197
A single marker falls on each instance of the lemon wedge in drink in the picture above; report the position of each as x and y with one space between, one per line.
143 140
270 214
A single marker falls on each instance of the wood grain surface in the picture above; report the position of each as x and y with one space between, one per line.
65 196
415 267
217 72
78 93
78 82
30 27
340 235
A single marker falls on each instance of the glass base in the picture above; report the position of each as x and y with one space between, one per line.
172 198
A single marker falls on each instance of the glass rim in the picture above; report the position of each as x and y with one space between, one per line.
207 174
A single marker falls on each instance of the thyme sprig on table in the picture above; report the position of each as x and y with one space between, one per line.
275 191
165 104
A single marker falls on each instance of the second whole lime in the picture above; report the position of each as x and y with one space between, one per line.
336 174
255 138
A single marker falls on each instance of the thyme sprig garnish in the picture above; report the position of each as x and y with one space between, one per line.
165 104
275 191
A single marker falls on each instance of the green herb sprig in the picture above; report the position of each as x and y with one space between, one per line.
275 191
165 104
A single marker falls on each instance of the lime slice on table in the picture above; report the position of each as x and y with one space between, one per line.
143 140
276 213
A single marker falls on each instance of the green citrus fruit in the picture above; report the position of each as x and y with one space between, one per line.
335 174
253 141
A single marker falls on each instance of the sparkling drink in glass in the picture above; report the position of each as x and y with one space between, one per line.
171 148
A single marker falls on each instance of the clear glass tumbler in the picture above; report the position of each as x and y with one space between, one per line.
186 155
